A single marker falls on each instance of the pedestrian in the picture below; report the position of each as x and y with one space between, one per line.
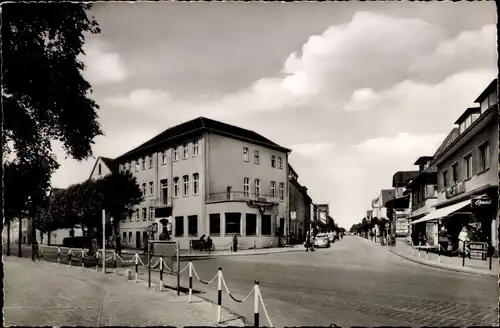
202 238
463 238
209 244
35 255
146 244
118 247
307 243
235 243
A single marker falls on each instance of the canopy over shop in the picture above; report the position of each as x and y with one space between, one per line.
478 212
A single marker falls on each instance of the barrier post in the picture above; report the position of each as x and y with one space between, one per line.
149 274
256 292
219 294
136 267
427 250
69 256
161 273
463 255
190 281
439 250
83 255
490 260
254 246
114 262
58 254
419 252
97 261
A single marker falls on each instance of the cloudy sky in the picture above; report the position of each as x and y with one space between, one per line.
357 90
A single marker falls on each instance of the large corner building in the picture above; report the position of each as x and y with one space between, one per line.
205 177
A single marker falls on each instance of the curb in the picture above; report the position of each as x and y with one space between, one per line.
203 256
437 265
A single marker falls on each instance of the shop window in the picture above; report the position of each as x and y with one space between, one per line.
251 224
129 237
193 225
266 225
214 224
233 223
179 226
484 156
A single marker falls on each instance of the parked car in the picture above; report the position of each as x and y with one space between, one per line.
331 237
322 240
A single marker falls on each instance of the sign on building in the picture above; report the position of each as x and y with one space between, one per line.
293 215
478 250
481 202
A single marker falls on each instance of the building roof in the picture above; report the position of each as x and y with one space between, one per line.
423 160
490 88
450 138
110 163
290 168
468 111
387 194
198 125
402 178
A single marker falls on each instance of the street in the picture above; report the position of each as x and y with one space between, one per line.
353 283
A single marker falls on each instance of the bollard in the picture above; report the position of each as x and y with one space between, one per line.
58 254
490 261
254 246
463 255
161 273
149 274
427 250
419 252
114 263
219 295
97 261
256 292
83 255
136 267
69 256
190 281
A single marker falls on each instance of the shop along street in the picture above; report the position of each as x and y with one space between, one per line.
355 282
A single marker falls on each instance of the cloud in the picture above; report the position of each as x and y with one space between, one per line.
313 149
102 65
455 92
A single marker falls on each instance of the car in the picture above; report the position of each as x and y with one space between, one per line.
331 237
322 240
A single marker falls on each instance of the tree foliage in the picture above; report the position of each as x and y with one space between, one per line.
44 96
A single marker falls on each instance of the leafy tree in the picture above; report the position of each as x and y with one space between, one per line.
119 192
44 95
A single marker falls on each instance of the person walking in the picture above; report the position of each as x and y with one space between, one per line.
35 255
209 244
235 243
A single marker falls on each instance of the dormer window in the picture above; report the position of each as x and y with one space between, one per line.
99 170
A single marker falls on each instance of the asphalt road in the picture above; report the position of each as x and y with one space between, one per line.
352 283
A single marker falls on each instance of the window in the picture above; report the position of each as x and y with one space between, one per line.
133 215
130 236
144 163
280 163
454 171
467 166
273 161
136 214
445 179
273 189
484 156
137 166
164 157
176 187
144 237
282 191
179 226
99 169
151 214
186 185
164 191
246 187
214 224
193 225
245 154
151 189
195 148
185 149
124 237
144 214
196 184
251 224
462 127
256 157
150 161
233 223
176 153
257 188
144 189
266 224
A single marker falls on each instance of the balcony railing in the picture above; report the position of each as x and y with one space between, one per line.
239 196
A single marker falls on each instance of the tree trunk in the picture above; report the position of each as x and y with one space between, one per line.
83 229
20 235
8 237
48 237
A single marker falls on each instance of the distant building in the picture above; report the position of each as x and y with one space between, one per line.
398 208
299 206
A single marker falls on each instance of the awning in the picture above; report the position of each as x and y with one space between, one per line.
442 212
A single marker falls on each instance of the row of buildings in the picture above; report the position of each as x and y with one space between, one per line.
457 186
205 177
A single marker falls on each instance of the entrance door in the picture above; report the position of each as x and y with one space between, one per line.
282 226
138 240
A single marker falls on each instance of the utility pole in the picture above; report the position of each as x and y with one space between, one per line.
20 236
104 241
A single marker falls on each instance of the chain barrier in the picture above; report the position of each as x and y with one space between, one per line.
263 308
202 281
231 295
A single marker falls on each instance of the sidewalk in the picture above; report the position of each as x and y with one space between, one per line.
149 306
443 262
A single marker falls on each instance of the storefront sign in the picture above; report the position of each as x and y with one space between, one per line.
478 250
260 204
481 202
293 215
455 190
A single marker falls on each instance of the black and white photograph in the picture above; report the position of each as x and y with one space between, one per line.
250 164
